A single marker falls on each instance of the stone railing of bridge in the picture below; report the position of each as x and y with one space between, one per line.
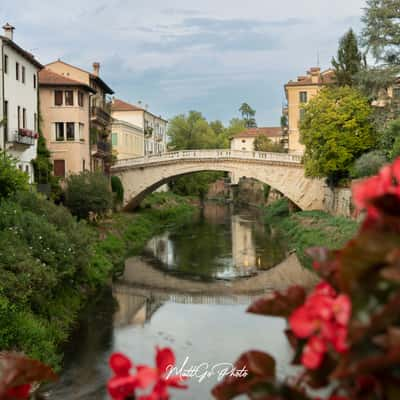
219 154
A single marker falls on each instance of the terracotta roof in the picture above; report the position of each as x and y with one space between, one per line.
106 88
119 105
28 56
275 131
324 78
50 78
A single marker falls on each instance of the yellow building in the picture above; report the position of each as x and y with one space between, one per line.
127 139
298 93
64 108
99 109
154 127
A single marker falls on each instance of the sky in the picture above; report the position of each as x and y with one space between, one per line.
181 55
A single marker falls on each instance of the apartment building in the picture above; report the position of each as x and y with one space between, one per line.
99 110
245 140
18 102
127 140
154 127
65 113
298 93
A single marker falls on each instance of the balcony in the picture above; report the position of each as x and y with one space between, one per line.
22 137
101 148
100 115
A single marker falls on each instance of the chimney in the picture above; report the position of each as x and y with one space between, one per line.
96 68
8 31
315 73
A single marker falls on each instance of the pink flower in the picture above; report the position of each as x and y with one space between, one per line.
120 387
120 364
19 392
313 353
342 309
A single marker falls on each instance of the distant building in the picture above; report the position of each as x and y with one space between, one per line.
154 127
18 102
65 113
299 92
245 140
99 110
127 140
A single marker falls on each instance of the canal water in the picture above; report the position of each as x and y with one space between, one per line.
181 293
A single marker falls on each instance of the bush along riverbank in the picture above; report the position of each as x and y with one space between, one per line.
305 229
50 264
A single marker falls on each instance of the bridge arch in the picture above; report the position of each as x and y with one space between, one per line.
283 172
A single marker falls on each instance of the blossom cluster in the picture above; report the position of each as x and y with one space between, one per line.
323 321
124 384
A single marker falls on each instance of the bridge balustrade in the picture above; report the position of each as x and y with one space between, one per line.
209 154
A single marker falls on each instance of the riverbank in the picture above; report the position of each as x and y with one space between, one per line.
305 229
51 265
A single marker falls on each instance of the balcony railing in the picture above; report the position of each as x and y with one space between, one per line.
101 148
101 114
23 137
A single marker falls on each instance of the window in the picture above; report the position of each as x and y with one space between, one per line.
17 71
114 139
83 165
19 117
303 97
59 168
58 97
27 169
59 131
70 131
23 74
81 133
69 98
302 112
34 81
80 99
5 63
35 122
243 141
24 118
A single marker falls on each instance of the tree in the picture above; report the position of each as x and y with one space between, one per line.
248 115
381 32
336 129
88 192
389 137
348 62
264 143
12 180
368 164
191 132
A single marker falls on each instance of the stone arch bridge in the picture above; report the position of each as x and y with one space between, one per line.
283 172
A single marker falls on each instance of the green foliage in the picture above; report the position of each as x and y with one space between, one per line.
381 32
48 262
264 143
348 62
306 229
117 188
368 164
42 164
248 115
336 130
389 139
195 184
12 179
88 192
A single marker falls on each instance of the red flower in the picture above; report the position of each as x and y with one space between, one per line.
120 364
19 392
120 387
323 318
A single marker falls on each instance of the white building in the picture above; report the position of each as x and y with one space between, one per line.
245 140
154 127
18 101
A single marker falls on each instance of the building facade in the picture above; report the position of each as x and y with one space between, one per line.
127 140
99 110
298 93
18 102
65 114
154 127
245 140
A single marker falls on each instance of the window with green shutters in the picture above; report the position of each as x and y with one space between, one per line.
114 139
